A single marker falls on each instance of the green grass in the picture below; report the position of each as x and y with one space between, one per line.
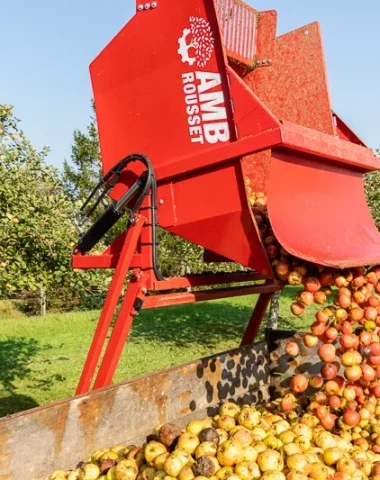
41 358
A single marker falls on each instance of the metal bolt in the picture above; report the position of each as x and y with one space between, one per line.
76 250
258 62
264 62
161 202
144 290
269 60
140 7
154 4
147 6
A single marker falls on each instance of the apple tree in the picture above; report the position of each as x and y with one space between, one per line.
36 230
372 187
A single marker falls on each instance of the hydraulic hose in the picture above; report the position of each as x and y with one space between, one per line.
147 182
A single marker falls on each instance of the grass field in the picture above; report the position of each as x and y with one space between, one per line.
41 358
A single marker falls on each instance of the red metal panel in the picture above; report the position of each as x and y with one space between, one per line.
266 36
331 148
147 77
219 217
295 86
344 132
247 145
319 212
251 116
238 26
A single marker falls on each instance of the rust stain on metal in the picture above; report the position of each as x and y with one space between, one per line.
91 410
184 397
185 411
154 387
161 402
5 457
151 386
56 421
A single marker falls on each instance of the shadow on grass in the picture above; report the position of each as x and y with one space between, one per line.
15 357
204 323
16 361
209 323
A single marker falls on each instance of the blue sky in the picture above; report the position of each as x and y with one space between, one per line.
47 46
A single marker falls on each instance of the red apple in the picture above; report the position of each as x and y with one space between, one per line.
316 381
335 402
322 317
327 353
375 348
329 371
312 284
292 349
320 297
297 308
351 417
310 340
318 328
347 341
306 298
343 301
299 383
370 313
368 372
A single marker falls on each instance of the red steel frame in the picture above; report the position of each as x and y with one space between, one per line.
283 138
139 237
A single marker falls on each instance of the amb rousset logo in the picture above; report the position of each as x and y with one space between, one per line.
205 102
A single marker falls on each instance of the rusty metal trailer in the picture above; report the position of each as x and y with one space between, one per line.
36 442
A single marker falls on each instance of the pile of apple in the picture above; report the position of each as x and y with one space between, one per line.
347 330
240 443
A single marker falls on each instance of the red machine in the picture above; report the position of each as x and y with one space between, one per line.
193 97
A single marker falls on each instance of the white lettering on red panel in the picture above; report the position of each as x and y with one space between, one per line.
203 94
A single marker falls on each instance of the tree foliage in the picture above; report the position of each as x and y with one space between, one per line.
372 187
36 231
35 215
83 173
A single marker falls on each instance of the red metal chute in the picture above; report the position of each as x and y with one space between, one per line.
319 212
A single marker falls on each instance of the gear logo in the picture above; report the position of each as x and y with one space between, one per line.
199 39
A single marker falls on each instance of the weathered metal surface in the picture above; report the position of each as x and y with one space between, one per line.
283 367
35 442
238 26
295 86
344 132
